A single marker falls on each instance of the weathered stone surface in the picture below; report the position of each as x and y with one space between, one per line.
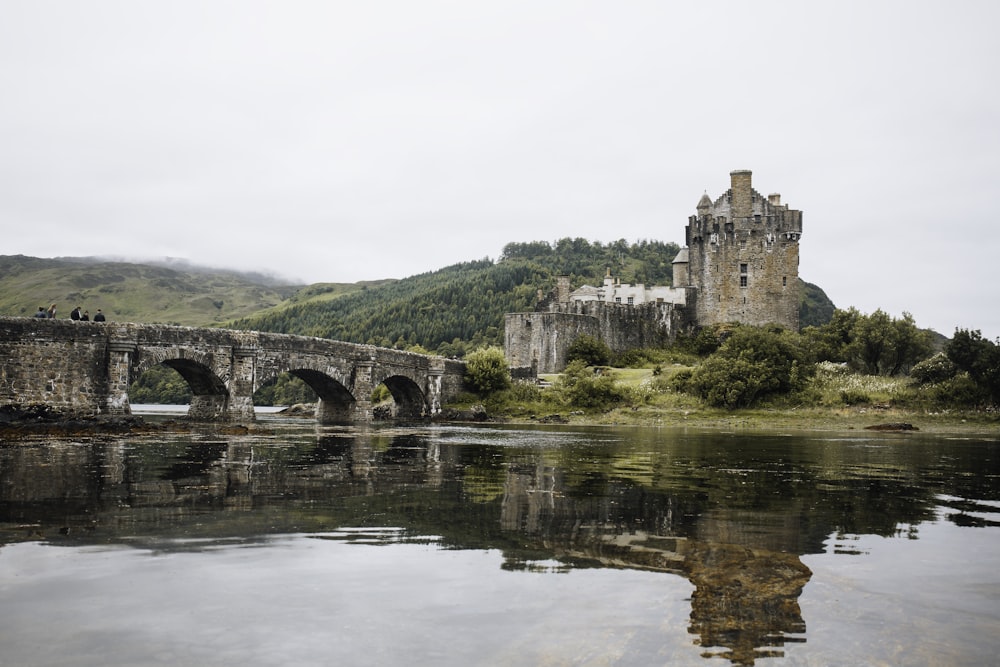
84 369
741 264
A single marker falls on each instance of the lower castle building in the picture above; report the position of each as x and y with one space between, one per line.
740 264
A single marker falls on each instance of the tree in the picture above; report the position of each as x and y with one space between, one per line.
979 357
830 341
487 370
882 345
876 344
590 350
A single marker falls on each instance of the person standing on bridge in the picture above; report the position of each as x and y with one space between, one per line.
75 313
41 314
51 312
85 317
98 316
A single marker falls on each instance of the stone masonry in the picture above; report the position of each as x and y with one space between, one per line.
740 264
84 369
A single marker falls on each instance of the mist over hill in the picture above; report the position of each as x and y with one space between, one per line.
194 296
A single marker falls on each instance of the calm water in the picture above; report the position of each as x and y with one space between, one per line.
500 546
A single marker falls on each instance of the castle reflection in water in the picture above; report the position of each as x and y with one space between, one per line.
734 528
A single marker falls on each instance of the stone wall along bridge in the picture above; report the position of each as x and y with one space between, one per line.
82 369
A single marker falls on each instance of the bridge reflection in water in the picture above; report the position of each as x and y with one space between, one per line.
735 531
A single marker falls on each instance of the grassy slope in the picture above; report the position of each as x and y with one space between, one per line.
145 293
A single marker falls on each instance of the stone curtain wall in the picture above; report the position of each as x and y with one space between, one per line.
540 340
742 266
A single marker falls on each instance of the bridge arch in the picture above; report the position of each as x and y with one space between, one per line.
209 393
332 384
409 399
80 369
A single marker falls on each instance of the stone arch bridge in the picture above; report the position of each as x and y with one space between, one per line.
82 369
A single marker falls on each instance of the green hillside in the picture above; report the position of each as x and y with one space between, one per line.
463 306
143 292
448 311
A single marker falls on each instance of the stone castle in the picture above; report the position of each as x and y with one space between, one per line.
740 264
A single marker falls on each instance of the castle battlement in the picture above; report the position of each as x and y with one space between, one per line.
740 264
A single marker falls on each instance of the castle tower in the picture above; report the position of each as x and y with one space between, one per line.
743 257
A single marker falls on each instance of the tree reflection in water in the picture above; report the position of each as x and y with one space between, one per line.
731 515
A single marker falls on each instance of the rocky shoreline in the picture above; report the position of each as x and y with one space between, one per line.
40 420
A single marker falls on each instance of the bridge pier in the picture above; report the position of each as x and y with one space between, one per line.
362 390
120 357
81 369
241 385
435 373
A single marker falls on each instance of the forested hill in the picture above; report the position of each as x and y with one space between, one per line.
462 306
448 311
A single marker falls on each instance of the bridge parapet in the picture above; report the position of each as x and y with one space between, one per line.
86 368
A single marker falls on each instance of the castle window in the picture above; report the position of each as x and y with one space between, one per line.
743 281
743 275
756 218
631 301
784 281
618 299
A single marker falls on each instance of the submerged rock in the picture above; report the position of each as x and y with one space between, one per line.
893 426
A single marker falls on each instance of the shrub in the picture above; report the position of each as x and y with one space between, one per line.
583 387
680 380
751 364
936 369
854 397
980 358
589 350
487 370
632 359
959 391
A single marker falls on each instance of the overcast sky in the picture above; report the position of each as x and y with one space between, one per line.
345 141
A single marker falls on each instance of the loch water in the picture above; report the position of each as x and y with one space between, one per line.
296 544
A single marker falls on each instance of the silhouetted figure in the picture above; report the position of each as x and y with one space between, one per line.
85 317
41 314
75 313
98 316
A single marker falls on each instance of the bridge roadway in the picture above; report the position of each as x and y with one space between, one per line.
82 369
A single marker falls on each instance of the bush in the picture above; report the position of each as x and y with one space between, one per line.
752 363
854 397
583 387
589 350
680 380
959 391
980 358
631 359
487 371
936 369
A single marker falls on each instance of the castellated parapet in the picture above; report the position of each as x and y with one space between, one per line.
743 258
740 264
